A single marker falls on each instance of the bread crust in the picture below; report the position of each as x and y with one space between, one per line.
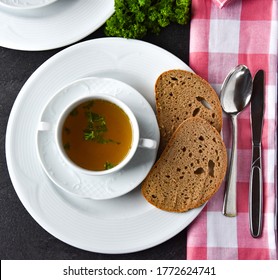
190 169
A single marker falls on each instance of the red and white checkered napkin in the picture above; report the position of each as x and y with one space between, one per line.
244 32
222 3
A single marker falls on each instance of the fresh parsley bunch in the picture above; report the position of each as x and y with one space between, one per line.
134 18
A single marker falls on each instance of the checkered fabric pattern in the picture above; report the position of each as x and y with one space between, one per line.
244 32
222 3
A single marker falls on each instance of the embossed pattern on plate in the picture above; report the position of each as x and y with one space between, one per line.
98 187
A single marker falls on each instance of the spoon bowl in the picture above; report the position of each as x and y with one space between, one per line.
235 96
236 90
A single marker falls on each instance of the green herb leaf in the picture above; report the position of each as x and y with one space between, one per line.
134 18
67 146
89 135
67 130
96 128
108 165
89 105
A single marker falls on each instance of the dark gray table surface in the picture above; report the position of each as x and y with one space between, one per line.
20 235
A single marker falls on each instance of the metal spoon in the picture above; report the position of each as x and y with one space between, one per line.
235 96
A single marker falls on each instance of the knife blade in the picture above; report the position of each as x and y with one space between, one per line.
256 176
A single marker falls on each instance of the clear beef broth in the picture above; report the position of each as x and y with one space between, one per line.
97 135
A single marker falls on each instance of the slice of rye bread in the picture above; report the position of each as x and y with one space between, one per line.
181 94
190 169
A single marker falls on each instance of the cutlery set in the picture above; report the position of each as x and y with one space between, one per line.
238 90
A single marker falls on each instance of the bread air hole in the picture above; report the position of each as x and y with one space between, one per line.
174 78
204 102
199 171
195 112
211 165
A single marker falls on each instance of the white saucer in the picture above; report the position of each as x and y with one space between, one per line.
107 186
25 4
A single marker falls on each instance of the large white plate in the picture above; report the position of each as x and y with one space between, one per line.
120 225
56 25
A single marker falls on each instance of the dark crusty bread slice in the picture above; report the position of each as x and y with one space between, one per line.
190 169
181 94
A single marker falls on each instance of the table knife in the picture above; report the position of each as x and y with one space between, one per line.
256 176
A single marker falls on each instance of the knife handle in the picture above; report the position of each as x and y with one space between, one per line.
256 193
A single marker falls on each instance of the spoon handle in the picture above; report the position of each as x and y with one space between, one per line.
229 206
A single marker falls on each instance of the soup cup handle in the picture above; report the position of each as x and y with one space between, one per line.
147 143
45 126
